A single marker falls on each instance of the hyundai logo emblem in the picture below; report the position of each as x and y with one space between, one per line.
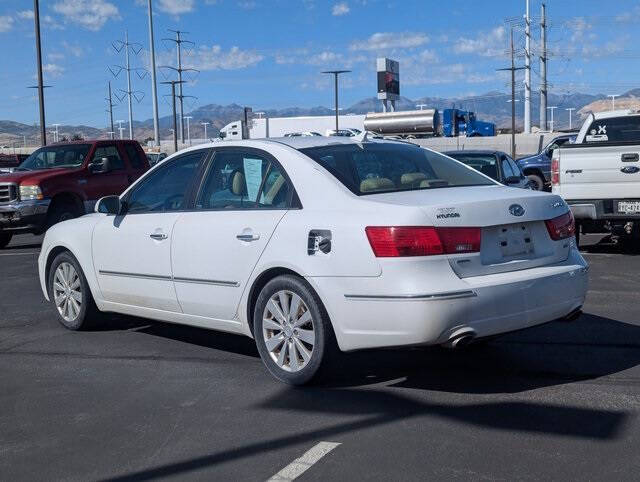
516 210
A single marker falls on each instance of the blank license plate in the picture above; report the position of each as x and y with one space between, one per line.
629 207
514 240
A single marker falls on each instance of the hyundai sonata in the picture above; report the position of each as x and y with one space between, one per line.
313 243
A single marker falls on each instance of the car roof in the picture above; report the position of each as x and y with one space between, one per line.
321 141
614 113
483 152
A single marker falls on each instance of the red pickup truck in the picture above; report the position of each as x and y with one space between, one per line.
63 181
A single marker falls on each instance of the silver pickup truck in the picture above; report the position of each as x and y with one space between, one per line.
599 174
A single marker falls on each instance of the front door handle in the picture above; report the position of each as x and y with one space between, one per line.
248 237
630 157
158 236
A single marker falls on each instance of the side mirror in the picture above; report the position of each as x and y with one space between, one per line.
512 180
101 166
109 205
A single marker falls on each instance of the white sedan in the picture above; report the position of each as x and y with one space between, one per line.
311 243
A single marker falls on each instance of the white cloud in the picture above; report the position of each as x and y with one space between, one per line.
74 49
486 44
176 7
90 14
215 58
390 40
25 14
54 70
341 8
6 23
247 4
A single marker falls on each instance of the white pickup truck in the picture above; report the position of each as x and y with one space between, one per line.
599 174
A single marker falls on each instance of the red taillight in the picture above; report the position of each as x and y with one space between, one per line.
400 241
555 171
561 227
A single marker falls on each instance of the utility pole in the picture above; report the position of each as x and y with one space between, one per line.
173 103
179 41
188 118
110 109
527 72
543 68
335 74
205 124
551 123
513 69
118 46
613 100
154 91
36 17
570 109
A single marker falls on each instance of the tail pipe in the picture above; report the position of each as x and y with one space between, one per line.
460 338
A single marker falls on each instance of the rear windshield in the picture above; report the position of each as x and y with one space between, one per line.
70 155
371 168
614 129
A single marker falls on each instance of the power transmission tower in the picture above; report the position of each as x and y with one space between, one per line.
513 69
527 72
179 69
110 109
543 68
127 46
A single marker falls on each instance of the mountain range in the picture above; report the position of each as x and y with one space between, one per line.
491 106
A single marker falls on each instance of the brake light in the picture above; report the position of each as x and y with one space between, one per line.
562 227
555 169
401 241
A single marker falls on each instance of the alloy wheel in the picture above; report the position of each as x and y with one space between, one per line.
288 331
67 291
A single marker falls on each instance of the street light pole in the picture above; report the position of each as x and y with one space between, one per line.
205 124
188 118
335 74
552 109
570 109
613 100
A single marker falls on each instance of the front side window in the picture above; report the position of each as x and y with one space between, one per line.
111 153
166 188
376 167
68 156
507 172
244 180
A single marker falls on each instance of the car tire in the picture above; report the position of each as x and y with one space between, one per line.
537 183
294 353
61 212
5 239
70 294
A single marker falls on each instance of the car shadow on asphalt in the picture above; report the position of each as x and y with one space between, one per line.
610 245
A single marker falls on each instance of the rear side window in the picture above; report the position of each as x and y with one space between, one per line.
135 157
615 129
378 167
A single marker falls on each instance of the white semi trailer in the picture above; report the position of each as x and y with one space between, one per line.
279 126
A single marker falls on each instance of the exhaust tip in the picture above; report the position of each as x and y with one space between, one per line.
460 338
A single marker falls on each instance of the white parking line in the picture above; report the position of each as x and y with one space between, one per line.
300 465
20 254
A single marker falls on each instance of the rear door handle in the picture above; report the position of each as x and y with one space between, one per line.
158 236
630 157
248 237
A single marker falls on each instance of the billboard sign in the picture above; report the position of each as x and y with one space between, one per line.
388 79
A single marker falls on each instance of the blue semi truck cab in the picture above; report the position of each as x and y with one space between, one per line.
456 122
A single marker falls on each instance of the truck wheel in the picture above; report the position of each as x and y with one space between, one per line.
537 184
70 293
61 212
5 239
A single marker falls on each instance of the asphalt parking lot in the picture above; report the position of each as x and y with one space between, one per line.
146 400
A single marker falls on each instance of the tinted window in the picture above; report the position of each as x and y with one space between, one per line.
134 155
616 129
111 153
515 168
375 167
506 168
166 188
487 164
240 180
71 155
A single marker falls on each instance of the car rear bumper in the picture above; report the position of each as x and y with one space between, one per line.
483 306
23 216
600 209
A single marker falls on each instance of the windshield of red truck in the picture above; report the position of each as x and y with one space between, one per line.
55 157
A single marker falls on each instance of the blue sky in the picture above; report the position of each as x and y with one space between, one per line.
269 53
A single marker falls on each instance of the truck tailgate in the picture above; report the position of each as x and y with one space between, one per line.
599 172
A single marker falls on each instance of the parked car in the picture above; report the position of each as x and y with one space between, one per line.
155 157
538 167
495 164
316 244
302 134
63 181
339 133
599 174
8 162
